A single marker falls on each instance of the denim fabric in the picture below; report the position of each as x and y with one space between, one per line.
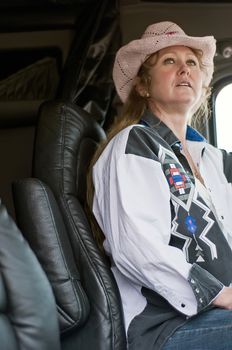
211 330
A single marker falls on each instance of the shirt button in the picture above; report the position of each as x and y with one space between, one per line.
201 300
192 281
182 305
197 290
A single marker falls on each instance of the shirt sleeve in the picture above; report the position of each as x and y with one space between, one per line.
136 219
227 164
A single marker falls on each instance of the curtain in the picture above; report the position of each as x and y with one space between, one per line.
87 76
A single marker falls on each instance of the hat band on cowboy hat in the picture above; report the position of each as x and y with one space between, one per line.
157 36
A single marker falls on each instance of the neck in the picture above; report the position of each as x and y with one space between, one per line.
176 120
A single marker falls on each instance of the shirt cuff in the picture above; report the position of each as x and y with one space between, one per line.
204 285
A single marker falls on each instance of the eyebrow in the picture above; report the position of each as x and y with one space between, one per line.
174 53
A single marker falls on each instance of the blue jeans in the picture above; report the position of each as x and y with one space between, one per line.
211 330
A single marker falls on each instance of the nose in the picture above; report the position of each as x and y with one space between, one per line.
184 69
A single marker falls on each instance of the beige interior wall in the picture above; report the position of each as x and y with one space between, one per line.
195 18
16 143
16 149
61 39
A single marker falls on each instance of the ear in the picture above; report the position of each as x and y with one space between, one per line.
139 87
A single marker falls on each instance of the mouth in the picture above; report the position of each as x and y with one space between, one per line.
184 83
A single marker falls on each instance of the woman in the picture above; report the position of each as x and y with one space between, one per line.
162 197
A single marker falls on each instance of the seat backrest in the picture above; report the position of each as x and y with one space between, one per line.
45 231
28 317
66 138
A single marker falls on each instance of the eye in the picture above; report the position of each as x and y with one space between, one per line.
192 62
169 60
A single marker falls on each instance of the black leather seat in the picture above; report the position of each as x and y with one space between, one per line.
28 317
49 210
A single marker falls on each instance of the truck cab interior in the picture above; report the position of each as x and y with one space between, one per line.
57 100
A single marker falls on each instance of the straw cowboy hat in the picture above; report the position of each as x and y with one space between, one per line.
156 37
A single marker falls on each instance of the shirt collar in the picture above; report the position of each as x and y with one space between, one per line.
149 119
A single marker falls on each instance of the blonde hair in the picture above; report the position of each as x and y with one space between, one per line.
131 113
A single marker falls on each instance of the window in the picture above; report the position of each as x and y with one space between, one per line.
223 113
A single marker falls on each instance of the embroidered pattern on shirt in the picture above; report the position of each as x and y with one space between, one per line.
195 240
192 223
181 187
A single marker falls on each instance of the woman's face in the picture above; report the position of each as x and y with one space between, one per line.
176 77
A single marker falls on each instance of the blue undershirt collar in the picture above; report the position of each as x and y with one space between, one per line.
149 119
